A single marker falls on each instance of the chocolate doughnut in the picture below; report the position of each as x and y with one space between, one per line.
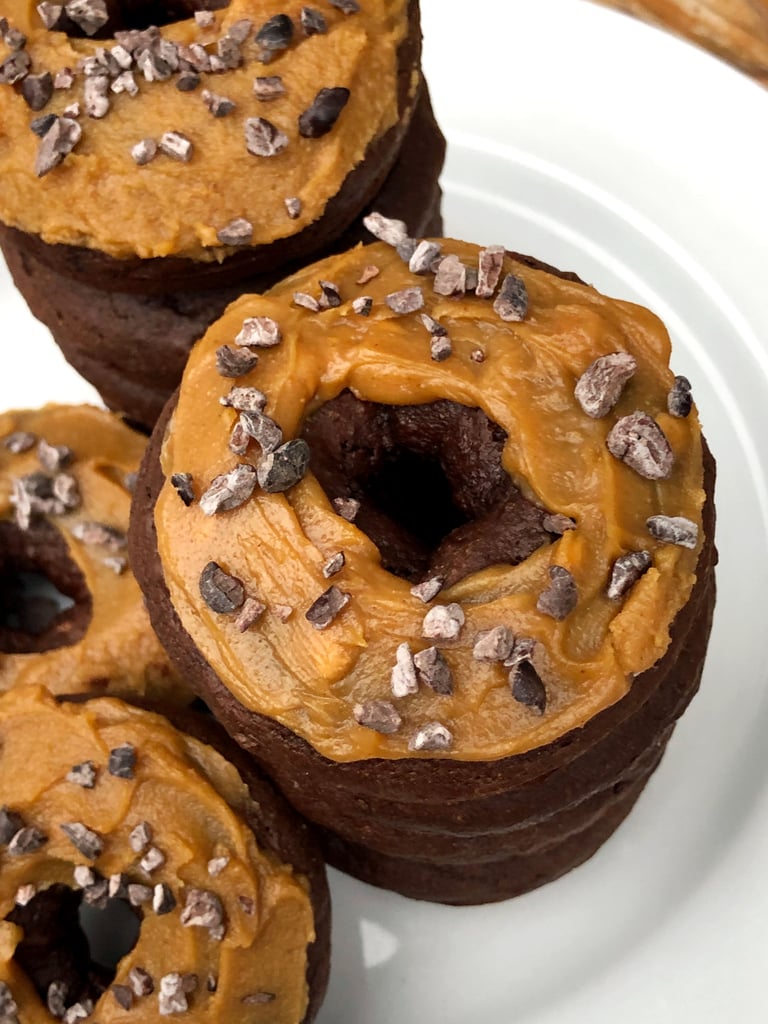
72 617
448 573
210 155
148 872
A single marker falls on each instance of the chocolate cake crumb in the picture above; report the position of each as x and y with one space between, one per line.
493 644
163 900
85 840
219 106
24 896
259 332
229 490
320 117
176 145
334 564
263 430
363 305
561 596
313 22
511 304
527 688
293 207
83 774
599 388
330 296
122 761
275 34
408 300
440 348
250 614
153 859
368 274
443 622
490 264
203 909
123 996
138 895
37 90
144 151
100 534
141 982
258 998
234 362
347 508
428 589
88 15
680 399
244 399
386 229
19 442
11 823
674 530
379 715
451 277
639 442
404 680
183 485
60 139
140 837
306 302
220 591
268 87
171 997
324 610
557 523
424 255
238 232
432 736
283 468
626 571
433 670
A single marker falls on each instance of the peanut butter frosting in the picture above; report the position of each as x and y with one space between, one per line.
224 932
155 166
71 468
599 433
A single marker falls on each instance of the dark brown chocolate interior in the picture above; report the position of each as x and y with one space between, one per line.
72 944
434 496
38 579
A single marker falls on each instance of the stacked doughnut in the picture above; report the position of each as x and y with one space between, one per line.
440 556
153 173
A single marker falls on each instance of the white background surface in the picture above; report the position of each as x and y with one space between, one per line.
606 147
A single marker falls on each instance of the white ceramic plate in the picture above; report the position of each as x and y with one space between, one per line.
606 147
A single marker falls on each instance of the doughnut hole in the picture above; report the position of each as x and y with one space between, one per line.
72 944
45 602
434 495
142 14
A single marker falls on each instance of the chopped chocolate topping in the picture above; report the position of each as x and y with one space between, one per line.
319 118
205 19
283 612
117 564
451 277
477 355
245 399
433 669
153 859
219 106
275 34
14 38
97 894
259 332
284 467
258 998
141 982
237 232
599 388
561 596
182 483
140 837
440 348
334 564
324 610
234 362
123 996
347 508
203 909
84 876
639 442
409 300
306 302
19 442
139 894
171 997
211 983
673 530
163 900
153 67
250 613
220 591
37 90
433 326
404 680
8 1008
50 14
424 255
216 865
627 570
268 87
66 490
330 297
493 644
56 998
187 81
345 6
24 896
386 229
527 688
229 55
84 839
229 490
428 589
88 15
15 67
680 399
293 207
263 430
122 761
512 301
60 139
144 151
443 622
313 22
368 274
95 97
53 457
490 263
432 736
117 887
555 522
176 145
83 774
363 305
379 715
100 534
522 651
